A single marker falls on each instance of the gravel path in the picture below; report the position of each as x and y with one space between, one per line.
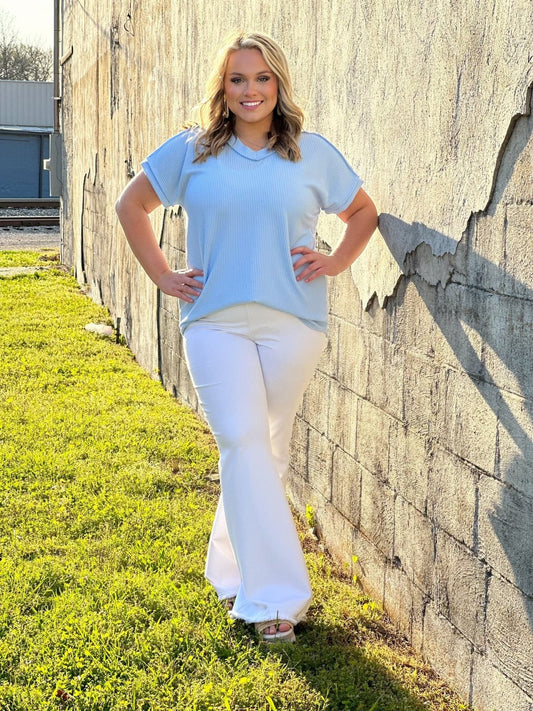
30 238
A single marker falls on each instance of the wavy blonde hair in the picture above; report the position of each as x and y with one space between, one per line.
287 119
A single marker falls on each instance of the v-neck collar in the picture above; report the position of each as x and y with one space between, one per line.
247 152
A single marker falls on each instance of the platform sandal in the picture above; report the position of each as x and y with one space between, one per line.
278 635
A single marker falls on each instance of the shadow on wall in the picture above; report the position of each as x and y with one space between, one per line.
466 295
486 316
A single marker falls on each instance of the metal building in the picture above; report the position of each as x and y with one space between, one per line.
26 122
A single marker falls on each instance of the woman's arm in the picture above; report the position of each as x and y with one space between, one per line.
361 220
133 207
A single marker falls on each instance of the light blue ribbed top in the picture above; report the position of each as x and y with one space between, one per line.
246 210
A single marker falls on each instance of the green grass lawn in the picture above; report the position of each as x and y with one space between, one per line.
106 501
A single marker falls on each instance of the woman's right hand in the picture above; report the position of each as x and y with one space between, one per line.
181 283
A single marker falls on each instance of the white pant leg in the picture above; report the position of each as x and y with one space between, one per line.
237 381
221 567
296 355
282 401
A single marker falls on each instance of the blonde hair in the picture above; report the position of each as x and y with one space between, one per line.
287 119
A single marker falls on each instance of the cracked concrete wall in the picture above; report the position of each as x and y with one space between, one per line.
414 440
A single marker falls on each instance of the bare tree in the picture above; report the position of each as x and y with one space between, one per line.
8 41
19 60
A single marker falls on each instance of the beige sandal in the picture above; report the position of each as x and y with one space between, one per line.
278 635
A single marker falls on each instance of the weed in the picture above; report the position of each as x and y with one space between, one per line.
27 258
310 516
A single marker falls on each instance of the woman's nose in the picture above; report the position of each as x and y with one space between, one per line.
250 89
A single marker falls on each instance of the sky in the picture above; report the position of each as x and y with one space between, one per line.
33 20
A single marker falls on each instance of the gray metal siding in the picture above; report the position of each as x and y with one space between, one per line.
27 103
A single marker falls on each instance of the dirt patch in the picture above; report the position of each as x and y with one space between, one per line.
14 271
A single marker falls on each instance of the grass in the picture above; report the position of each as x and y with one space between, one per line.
28 258
107 501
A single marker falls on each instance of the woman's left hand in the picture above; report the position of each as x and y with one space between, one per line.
318 264
361 219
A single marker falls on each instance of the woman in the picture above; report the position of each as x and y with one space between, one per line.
253 309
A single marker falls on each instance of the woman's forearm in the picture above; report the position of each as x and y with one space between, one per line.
359 229
361 219
133 208
141 238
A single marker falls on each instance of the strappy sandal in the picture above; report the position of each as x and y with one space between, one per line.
278 635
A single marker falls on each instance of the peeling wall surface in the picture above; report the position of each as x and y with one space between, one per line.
414 441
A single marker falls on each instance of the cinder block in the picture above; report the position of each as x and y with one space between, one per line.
509 632
169 308
447 650
422 385
506 532
329 359
514 454
344 299
314 405
141 322
370 566
457 310
341 426
414 544
414 326
494 691
408 465
517 273
375 319
485 256
459 588
377 272
170 347
186 390
336 532
452 495
506 330
346 486
468 427
385 375
372 444
299 448
320 463
352 357
405 604
169 368
517 167
300 492
377 512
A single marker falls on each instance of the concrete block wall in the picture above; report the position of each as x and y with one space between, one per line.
422 464
413 442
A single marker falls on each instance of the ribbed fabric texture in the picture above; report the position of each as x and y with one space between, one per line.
246 210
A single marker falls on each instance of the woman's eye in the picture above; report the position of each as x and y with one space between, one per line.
264 79
235 80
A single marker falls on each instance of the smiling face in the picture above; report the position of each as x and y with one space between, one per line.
251 89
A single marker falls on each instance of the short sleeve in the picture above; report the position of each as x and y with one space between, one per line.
339 183
164 168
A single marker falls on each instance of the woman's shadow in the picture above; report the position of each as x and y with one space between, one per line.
347 663
465 294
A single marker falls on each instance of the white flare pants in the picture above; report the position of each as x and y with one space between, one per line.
250 365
